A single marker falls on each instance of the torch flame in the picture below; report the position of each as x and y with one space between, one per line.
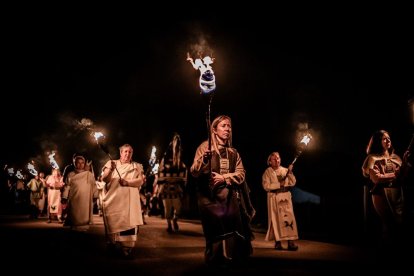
207 80
153 157
19 174
10 171
31 168
155 168
306 139
302 145
153 161
52 160
98 135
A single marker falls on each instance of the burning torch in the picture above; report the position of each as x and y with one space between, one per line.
99 135
207 84
31 168
302 145
52 160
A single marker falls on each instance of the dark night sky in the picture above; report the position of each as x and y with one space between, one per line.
346 74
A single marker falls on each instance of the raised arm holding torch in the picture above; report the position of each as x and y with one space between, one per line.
97 136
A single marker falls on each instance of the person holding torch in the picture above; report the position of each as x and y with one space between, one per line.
121 203
220 176
382 167
276 181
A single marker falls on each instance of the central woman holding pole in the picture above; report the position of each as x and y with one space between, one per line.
220 177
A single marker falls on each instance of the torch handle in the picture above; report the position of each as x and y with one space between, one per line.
208 121
110 157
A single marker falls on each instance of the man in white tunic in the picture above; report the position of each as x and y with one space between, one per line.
121 203
276 180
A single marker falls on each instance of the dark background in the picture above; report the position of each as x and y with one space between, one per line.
346 72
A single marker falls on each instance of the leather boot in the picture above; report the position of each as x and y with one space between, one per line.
292 246
278 245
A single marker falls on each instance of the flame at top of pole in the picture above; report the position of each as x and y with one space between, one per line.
153 156
100 136
10 171
153 161
207 79
19 174
306 139
155 168
31 168
52 160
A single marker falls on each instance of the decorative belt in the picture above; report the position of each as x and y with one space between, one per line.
53 188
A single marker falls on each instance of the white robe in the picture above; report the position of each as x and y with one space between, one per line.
121 204
79 192
281 219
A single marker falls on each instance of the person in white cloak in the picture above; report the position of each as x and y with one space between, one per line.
121 203
100 186
78 192
54 184
276 180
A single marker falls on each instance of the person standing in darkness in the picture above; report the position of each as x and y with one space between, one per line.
172 179
382 167
276 181
220 174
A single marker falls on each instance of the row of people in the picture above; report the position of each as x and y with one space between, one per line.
223 197
222 192
46 192
224 204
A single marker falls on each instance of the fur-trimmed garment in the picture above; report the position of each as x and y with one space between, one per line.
225 223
